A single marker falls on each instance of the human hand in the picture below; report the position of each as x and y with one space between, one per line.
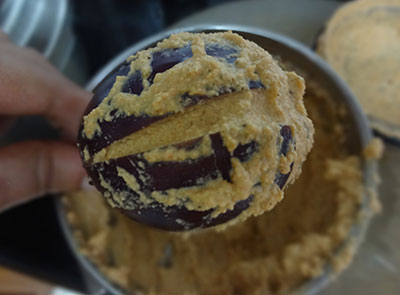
29 85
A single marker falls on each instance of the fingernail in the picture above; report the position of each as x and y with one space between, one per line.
86 186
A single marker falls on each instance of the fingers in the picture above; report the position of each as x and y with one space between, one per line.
36 168
5 123
3 36
31 85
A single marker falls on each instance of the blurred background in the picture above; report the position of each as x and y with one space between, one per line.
78 37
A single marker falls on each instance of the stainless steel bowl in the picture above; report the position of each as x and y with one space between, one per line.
45 25
316 69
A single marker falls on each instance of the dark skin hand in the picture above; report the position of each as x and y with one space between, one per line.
29 85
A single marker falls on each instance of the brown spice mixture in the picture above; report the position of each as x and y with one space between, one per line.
269 254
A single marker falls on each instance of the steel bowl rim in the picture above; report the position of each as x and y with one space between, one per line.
370 167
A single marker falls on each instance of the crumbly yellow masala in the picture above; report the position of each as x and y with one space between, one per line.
269 254
243 96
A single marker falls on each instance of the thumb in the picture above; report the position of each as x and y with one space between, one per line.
31 169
